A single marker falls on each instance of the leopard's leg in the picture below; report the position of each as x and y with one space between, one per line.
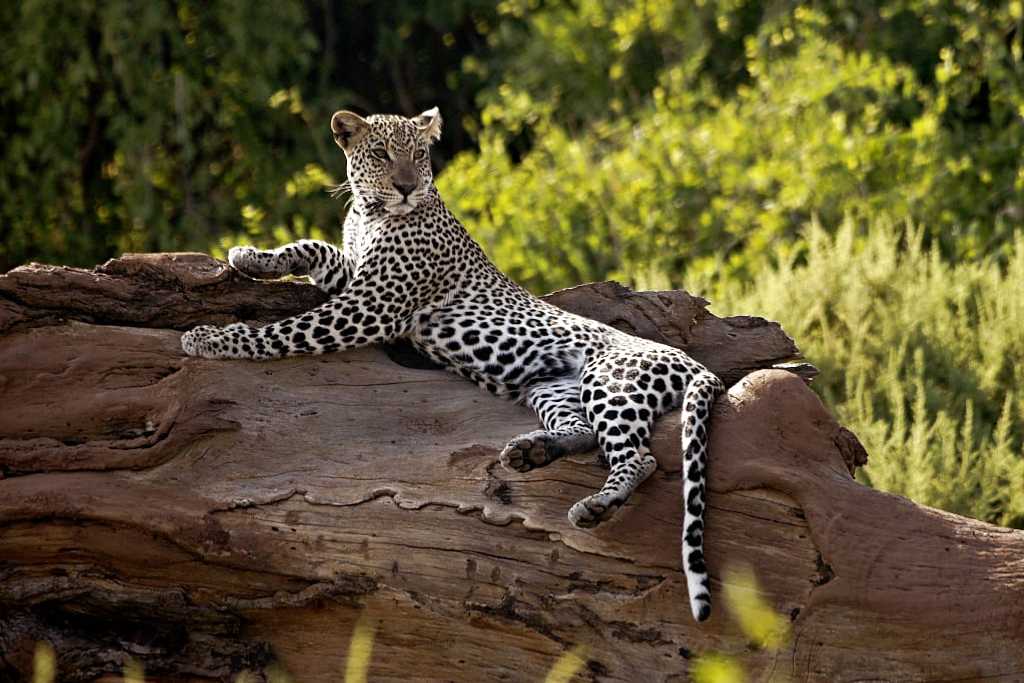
345 322
625 442
566 430
623 391
326 264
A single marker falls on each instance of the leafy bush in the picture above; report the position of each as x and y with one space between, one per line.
921 358
594 172
135 126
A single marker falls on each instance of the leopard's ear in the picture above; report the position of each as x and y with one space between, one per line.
348 129
429 123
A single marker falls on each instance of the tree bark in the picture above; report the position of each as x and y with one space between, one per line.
210 517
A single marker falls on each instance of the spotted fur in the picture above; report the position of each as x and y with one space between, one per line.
409 269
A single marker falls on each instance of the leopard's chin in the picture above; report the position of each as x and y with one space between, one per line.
400 208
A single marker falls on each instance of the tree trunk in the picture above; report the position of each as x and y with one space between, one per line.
209 517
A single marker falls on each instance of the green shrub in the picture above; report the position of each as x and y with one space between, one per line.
921 358
142 126
756 118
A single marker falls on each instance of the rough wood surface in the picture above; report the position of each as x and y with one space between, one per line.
206 517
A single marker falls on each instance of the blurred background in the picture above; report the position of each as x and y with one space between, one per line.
852 169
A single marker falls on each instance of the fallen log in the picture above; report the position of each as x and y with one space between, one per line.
206 518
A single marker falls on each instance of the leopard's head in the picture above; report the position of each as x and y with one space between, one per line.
388 156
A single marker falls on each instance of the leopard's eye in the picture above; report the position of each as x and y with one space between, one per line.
419 154
380 153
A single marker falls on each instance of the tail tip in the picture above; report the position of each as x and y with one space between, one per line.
701 612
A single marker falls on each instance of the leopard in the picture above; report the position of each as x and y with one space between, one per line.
409 270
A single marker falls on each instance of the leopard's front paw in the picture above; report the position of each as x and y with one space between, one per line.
202 341
207 341
246 260
237 340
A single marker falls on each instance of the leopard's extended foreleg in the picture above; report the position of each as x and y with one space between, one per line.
345 322
328 266
566 430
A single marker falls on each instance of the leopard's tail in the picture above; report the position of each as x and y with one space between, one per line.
698 398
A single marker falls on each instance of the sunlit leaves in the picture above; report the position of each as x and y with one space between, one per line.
716 668
677 182
568 665
360 650
44 663
760 623
832 111
133 672
921 358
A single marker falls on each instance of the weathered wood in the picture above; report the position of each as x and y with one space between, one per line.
205 517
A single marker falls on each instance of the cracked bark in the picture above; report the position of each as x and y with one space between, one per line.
206 517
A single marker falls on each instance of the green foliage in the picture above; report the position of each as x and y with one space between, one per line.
715 668
921 358
141 126
682 185
763 626
163 126
701 168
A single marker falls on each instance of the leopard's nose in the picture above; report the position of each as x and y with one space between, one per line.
405 189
